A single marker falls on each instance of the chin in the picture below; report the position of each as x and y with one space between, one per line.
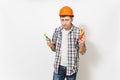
65 27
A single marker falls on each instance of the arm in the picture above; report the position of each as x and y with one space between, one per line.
82 46
51 43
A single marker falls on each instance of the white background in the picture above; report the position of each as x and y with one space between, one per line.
24 54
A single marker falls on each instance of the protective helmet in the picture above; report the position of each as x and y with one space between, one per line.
66 11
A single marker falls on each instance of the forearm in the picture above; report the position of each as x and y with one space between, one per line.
82 48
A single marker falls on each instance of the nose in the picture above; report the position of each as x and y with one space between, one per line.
64 23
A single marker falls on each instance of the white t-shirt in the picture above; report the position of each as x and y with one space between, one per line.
64 47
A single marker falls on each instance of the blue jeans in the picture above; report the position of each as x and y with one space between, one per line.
62 74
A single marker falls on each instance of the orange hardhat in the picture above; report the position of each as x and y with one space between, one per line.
66 11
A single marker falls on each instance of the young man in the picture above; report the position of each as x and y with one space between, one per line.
67 45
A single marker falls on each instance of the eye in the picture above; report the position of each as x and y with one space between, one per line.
62 19
66 19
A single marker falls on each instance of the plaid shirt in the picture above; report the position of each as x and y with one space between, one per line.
73 49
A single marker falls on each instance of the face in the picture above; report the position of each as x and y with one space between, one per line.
66 22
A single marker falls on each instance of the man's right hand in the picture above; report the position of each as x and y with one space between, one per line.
51 45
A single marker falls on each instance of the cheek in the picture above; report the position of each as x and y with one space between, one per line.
68 23
63 23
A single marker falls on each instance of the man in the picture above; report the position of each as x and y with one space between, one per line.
67 45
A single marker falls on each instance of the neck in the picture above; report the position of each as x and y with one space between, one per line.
68 28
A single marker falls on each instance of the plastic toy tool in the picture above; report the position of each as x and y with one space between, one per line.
82 32
47 38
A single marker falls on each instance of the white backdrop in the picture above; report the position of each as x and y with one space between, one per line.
24 54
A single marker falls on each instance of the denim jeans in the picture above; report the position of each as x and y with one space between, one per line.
62 74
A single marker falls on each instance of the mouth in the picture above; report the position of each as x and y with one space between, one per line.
64 27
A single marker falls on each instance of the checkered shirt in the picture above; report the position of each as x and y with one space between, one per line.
73 49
